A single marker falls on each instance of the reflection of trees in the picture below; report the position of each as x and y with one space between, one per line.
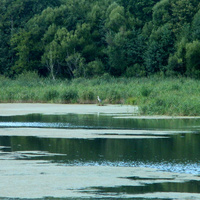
190 187
181 148
187 146
100 121
5 141
176 148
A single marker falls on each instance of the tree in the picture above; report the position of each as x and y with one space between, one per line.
94 68
141 10
160 46
162 13
14 15
73 38
116 54
196 27
182 13
51 58
75 65
115 18
124 50
193 59
177 60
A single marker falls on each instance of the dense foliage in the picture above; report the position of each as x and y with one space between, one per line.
87 38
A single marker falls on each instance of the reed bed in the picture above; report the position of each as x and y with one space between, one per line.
154 95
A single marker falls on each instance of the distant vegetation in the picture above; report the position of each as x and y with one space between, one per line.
155 95
138 52
87 38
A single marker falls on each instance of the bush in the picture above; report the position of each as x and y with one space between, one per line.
131 101
193 59
88 96
154 106
114 97
26 96
28 78
51 94
175 87
10 96
70 96
145 92
94 68
175 66
135 71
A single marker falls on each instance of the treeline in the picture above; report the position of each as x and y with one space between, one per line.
88 38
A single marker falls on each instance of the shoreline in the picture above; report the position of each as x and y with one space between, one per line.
9 109
117 110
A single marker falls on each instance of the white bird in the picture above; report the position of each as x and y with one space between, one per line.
98 99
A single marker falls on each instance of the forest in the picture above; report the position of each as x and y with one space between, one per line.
89 38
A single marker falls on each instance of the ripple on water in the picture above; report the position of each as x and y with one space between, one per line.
187 168
39 125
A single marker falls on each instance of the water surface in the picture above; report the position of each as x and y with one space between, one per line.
178 152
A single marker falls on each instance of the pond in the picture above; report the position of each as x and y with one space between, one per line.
99 156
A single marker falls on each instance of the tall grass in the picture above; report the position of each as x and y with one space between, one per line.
154 95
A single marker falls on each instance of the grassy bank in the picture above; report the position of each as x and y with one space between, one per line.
163 96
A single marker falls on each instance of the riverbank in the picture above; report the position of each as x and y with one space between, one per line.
118 111
8 109
153 96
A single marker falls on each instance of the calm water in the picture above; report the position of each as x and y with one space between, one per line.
179 152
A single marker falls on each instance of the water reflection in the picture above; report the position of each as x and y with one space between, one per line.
98 121
189 187
35 125
175 153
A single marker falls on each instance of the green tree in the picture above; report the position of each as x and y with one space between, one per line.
14 14
177 60
124 50
84 38
51 58
160 46
193 59
182 12
116 53
162 13
141 10
115 18
196 27
94 69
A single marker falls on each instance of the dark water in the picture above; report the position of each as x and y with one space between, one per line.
178 152
98 121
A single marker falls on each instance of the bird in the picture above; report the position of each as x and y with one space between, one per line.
99 100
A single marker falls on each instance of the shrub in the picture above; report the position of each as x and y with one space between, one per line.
88 95
175 66
135 71
10 96
26 96
114 96
94 68
131 101
175 87
28 78
51 95
145 92
193 59
154 106
70 96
